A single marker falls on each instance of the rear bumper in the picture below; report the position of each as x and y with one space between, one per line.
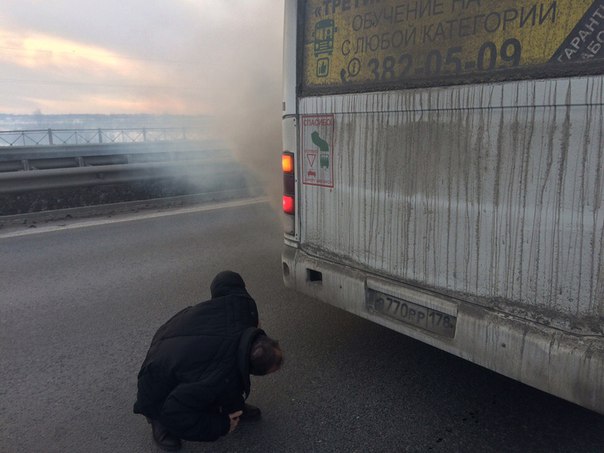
562 364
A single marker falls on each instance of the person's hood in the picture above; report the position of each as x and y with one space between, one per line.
243 356
226 282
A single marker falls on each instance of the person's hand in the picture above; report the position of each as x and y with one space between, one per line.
234 420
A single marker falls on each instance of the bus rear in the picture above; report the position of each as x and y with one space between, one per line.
443 177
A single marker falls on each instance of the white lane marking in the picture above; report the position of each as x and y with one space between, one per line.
133 217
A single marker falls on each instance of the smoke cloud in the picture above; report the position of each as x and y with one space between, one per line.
247 97
247 83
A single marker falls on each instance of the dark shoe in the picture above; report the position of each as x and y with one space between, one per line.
163 438
250 413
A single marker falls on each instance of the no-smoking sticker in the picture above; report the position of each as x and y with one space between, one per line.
317 150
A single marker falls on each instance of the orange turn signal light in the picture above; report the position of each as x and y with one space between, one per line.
287 162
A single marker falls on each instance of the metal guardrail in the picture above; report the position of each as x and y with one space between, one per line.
17 158
51 137
208 175
39 167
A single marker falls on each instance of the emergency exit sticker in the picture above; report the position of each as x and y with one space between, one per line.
317 150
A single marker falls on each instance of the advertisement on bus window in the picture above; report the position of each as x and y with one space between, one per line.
361 45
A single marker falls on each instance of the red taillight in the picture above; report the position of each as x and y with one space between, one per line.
289 183
289 206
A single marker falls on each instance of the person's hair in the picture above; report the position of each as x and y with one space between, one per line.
265 354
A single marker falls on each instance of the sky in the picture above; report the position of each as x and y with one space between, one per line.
139 56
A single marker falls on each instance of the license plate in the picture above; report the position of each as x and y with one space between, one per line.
407 312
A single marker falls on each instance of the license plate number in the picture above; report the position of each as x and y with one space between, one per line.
401 310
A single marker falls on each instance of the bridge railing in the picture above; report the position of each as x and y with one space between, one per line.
50 137
37 160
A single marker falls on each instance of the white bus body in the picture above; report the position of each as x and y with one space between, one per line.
451 187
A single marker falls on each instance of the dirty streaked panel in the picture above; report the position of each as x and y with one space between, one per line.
491 192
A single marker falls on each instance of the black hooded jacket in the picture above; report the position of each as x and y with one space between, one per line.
197 369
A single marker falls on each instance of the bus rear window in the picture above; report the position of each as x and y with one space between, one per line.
366 45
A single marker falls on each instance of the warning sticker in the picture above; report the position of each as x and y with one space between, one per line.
317 150
351 45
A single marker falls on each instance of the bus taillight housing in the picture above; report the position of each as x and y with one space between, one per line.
289 183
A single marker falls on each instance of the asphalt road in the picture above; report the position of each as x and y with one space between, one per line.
80 302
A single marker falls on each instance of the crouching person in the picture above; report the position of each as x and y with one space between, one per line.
196 376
